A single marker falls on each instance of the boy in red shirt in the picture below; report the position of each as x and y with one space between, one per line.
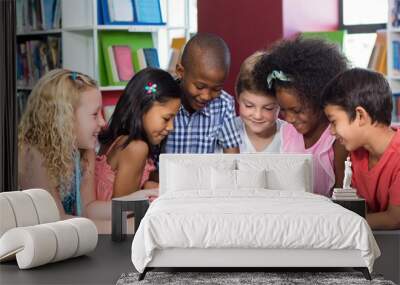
358 104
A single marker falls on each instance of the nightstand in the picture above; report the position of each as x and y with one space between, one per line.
356 205
122 205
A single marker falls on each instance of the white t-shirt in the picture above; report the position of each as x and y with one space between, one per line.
247 147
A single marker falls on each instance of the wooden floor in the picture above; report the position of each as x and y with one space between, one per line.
102 266
110 259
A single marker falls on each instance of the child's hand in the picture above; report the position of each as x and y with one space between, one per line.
150 185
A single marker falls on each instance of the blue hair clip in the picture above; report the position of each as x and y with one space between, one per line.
274 75
74 75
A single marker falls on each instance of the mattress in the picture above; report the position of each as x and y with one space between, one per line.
250 219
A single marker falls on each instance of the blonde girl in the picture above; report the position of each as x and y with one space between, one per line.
57 136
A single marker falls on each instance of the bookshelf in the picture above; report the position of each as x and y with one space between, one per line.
393 57
83 37
81 34
38 41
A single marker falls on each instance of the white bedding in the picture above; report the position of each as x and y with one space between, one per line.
252 218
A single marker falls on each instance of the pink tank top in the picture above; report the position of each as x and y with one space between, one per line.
323 156
104 176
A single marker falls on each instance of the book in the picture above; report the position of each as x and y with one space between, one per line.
178 43
341 190
120 63
336 37
120 11
345 194
57 15
148 11
378 58
123 62
175 54
113 65
148 57
47 9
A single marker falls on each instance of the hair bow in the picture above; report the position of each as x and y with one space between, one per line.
74 75
277 74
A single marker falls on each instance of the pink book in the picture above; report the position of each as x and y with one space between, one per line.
123 61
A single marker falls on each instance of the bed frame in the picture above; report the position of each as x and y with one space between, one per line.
245 259
242 259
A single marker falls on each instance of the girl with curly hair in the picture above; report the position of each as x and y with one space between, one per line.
57 136
296 72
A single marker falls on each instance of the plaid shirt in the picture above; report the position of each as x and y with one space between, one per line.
201 131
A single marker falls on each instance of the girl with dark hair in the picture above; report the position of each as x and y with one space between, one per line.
142 119
296 72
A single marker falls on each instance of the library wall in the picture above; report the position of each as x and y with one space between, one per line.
245 25
248 25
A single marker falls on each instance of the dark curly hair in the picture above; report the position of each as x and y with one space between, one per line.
310 63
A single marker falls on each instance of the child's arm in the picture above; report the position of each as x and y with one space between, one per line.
150 185
33 174
130 166
388 220
88 193
340 155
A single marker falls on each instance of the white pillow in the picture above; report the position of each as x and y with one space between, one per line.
223 179
292 179
283 174
226 179
189 174
187 177
251 178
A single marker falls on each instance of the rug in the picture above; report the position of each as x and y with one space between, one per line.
269 278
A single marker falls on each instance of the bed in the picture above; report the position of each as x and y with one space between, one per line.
247 210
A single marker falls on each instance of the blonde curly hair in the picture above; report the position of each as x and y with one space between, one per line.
49 119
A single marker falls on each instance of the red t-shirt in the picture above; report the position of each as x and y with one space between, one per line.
379 186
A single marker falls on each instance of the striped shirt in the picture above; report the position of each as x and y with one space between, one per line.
203 130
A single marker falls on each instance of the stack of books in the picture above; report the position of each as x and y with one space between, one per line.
345 194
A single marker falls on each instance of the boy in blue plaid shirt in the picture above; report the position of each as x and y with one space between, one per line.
206 119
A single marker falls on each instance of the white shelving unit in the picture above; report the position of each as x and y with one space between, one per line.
45 32
393 33
81 31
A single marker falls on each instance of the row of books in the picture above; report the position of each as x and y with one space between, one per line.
123 12
36 15
35 58
378 58
122 68
395 14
